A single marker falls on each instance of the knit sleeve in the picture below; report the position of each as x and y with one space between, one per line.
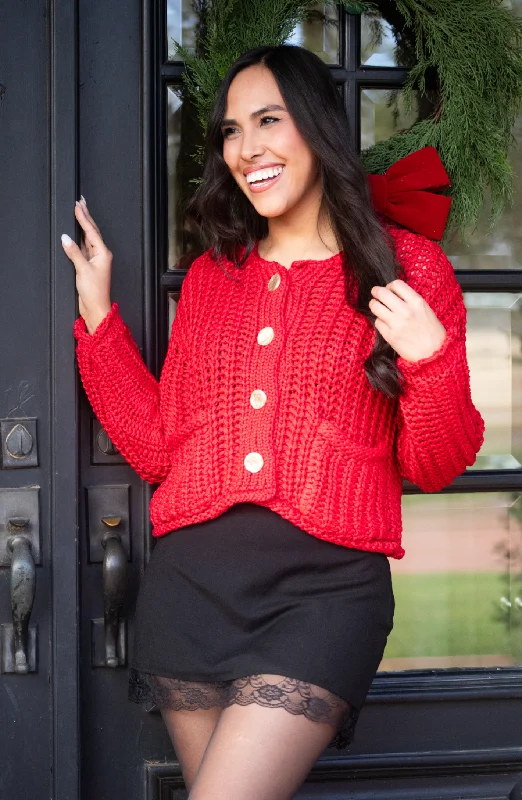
439 429
129 402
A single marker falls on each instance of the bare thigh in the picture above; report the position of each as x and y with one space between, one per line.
259 753
190 732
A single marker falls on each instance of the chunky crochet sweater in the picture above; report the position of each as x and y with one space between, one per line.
263 398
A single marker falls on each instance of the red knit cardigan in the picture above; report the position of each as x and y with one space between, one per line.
263 398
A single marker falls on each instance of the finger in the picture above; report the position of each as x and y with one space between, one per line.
73 251
383 329
86 248
91 232
84 214
388 298
381 311
401 289
85 210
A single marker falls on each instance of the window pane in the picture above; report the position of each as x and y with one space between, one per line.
494 348
321 37
458 590
378 44
173 298
379 120
181 26
174 105
502 248
183 134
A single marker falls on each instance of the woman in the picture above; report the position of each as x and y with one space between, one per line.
303 380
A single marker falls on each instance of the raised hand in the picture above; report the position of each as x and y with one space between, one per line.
93 264
406 321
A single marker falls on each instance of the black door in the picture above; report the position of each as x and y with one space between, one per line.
89 103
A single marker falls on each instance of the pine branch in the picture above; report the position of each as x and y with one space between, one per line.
476 48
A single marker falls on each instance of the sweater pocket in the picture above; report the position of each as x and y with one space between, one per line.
332 462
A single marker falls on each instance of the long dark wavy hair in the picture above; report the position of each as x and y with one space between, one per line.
228 222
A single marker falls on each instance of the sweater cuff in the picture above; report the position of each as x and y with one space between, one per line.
111 321
434 366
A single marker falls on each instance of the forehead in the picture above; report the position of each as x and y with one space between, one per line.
252 88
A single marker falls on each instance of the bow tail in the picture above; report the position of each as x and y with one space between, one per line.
423 212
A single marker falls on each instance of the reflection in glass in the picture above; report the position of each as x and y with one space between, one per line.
379 119
494 349
175 222
378 43
181 26
183 135
515 5
502 247
458 590
320 34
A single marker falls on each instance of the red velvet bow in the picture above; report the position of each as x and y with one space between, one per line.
402 193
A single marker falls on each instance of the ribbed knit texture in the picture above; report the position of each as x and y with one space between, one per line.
334 451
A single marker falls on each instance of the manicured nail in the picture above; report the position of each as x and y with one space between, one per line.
66 240
83 198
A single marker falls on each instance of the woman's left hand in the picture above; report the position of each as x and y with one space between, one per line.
406 321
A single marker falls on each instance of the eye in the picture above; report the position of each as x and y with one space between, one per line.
227 131
275 119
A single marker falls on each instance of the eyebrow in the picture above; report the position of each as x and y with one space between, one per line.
255 114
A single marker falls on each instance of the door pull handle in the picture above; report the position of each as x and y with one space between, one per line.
114 587
23 587
109 544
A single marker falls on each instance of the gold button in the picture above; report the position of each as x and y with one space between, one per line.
274 282
258 398
253 462
265 335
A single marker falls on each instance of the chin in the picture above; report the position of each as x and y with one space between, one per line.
267 210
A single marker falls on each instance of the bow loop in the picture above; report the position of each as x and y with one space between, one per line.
405 193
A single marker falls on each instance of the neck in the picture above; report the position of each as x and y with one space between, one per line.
301 233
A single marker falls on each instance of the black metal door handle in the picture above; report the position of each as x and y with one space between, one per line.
114 587
23 587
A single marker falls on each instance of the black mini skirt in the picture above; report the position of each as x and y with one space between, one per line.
248 593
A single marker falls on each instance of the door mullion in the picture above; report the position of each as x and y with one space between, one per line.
63 387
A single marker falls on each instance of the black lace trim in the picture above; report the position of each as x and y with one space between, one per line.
295 696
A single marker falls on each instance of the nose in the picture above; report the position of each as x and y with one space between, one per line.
251 144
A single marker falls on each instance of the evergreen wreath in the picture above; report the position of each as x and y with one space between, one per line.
464 59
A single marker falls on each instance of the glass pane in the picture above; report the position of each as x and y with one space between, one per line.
321 37
181 26
502 248
320 34
379 119
174 105
183 134
458 590
494 348
516 5
378 44
173 298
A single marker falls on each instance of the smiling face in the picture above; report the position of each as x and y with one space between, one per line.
259 134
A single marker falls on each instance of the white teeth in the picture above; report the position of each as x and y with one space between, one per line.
263 174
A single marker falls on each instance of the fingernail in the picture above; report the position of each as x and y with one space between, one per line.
66 240
83 198
76 203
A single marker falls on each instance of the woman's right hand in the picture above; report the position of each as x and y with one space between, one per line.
93 264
